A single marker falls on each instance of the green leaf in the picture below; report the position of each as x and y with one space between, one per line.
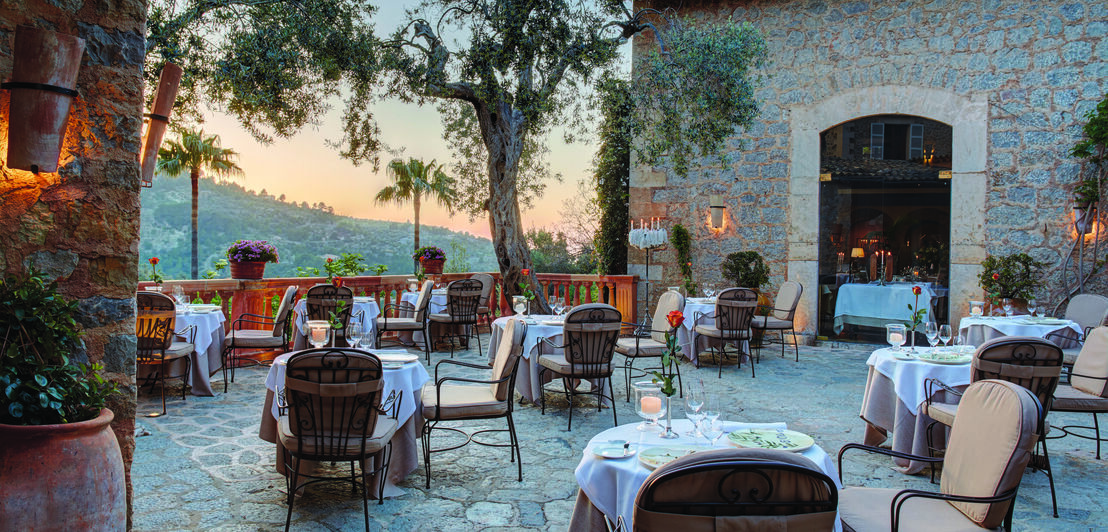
16 410
41 380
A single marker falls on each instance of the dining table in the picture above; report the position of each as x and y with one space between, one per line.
874 304
698 311
364 309
976 330
437 305
608 486
895 391
406 380
207 333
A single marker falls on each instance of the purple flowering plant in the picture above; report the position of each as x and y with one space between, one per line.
252 251
429 253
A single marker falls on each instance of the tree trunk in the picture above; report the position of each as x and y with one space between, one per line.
195 176
502 130
415 204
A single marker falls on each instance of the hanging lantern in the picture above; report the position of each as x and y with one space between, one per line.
44 79
168 83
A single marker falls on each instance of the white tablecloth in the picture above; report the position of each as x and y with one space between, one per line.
436 306
872 305
691 343
908 375
208 340
368 310
612 484
975 331
527 376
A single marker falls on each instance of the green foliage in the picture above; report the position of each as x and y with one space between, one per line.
38 333
613 172
1094 146
700 86
1016 276
550 253
746 269
415 181
218 266
682 244
346 265
459 259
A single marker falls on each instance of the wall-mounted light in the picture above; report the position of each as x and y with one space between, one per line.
44 79
715 206
168 83
857 253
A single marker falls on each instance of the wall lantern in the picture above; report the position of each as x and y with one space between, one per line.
857 253
159 114
715 205
44 79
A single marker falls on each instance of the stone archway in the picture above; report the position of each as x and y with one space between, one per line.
967 116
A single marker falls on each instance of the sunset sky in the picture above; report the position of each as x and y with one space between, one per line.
304 168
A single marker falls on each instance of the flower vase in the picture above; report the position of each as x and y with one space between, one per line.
669 434
912 334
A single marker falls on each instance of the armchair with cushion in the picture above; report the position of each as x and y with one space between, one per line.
991 443
244 335
460 318
157 344
781 316
649 339
472 399
734 313
1087 390
1089 311
590 333
399 322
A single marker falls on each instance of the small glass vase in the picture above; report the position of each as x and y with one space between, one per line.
669 433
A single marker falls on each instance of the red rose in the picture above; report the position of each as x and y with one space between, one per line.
337 281
917 290
526 271
996 276
153 261
330 260
675 318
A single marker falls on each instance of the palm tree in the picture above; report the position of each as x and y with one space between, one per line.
412 181
193 153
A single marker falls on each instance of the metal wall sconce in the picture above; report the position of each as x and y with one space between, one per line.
44 79
168 83
715 206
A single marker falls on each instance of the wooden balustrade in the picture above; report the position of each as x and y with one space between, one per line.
257 296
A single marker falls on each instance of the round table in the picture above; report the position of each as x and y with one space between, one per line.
207 338
976 331
609 486
538 327
687 338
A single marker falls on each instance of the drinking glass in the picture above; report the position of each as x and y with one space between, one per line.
1032 306
709 291
694 405
319 332
180 297
354 333
711 427
932 332
519 304
650 405
1007 304
977 308
945 333
896 334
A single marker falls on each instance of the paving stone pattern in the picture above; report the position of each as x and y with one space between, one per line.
203 467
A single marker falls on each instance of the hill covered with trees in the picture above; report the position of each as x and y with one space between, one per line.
303 233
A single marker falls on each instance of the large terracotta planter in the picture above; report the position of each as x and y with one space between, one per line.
62 477
433 266
44 74
247 270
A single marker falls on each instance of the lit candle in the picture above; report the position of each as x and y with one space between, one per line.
651 405
896 338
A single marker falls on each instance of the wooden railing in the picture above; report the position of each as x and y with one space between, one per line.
257 296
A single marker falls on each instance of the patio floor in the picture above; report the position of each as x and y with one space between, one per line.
204 467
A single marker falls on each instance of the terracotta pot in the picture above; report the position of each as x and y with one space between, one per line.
168 83
433 266
247 270
62 477
37 115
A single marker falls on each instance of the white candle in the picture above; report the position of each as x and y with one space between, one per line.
896 338
651 405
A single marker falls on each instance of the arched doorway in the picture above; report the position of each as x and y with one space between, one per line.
967 117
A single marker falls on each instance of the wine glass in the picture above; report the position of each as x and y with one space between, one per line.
709 290
179 296
711 427
354 333
1007 304
932 332
896 334
945 333
694 404
651 407
319 332
1032 306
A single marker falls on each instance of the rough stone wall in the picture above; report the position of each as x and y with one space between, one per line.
1039 65
81 224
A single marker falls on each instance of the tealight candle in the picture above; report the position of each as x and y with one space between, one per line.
896 338
651 405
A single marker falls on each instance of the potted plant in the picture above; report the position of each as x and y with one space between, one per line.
248 257
748 270
55 434
1013 277
430 258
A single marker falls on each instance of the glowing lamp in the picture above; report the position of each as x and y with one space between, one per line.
715 205
857 253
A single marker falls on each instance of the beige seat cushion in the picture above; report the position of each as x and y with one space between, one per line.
1069 399
942 412
559 364
647 347
460 401
1090 371
770 323
399 324
382 433
867 510
179 349
253 338
712 332
447 318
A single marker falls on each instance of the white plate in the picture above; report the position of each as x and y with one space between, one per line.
779 439
614 450
396 359
554 323
903 355
656 457
363 299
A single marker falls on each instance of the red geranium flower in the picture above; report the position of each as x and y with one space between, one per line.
675 318
337 281
917 290
526 271
996 276
153 261
330 260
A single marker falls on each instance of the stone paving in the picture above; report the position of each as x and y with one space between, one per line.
203 467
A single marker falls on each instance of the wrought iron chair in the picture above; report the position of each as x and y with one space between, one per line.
991 443
326 300
334 413
154 326
649 339
398 322
486 305
590 333
460 319
1087 389
444 401
734 313
245 335
1089 311
781 319
737 489
1030 362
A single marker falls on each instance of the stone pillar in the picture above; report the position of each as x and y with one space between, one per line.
80 225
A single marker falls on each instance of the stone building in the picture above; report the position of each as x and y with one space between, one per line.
997 90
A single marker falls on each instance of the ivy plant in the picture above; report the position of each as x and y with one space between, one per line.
682 244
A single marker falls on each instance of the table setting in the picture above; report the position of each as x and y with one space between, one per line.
697 312
364 312
976 329
203 325
539 326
